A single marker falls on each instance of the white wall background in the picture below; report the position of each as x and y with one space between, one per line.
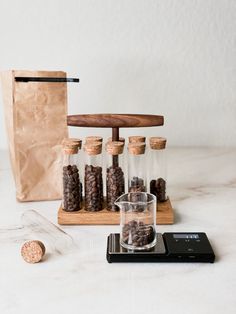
170 57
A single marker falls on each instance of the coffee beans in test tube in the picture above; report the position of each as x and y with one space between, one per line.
137 185
115 176
137 167
71 188
158 188
72 196
158 173
115 186
93 181
93 188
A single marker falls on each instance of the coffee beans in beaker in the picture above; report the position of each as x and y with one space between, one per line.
93 185
138 234
115 186
71 188
158 188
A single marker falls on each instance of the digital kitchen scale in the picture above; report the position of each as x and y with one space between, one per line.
175 247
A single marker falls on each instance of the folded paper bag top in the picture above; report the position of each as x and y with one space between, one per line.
35 106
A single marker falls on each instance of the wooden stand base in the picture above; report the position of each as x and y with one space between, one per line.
164 216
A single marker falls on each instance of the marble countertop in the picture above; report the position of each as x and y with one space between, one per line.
202 188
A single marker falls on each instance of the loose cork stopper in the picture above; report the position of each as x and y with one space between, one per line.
137 139
33 251
114 148
121 139
136 148
157 142
92 139
94 148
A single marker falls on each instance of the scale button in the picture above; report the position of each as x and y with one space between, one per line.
190 249
198 240
187 240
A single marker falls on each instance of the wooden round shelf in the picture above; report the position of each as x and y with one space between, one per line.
115 120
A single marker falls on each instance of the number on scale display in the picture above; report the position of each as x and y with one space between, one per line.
185 236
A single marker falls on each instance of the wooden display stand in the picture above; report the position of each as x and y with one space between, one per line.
164 213
164 216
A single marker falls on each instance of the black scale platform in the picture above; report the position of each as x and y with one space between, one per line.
170 247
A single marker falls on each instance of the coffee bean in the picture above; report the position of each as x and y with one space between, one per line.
71 188
158 188
135 237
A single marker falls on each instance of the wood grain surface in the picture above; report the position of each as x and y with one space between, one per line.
115 120
164 216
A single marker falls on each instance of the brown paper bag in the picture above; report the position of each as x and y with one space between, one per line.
35 115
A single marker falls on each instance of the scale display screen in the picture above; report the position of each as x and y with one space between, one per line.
185 236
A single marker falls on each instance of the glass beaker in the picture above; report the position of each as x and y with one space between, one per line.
137 220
